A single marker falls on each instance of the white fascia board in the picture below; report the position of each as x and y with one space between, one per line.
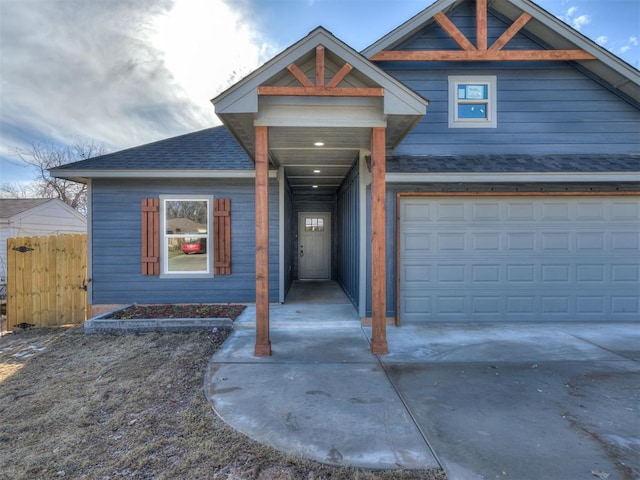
550 177
578 39
231 101
158 173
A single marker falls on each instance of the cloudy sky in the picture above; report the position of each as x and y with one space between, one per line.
126 72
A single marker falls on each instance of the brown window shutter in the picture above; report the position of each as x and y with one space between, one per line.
222 236
151 236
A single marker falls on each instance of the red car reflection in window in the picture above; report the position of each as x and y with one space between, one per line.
194 245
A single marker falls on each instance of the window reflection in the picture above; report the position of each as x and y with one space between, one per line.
186 233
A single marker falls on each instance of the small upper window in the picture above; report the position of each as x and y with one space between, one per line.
186 241
314 224
472 102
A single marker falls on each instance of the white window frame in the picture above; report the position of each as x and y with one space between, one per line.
164 237
492 115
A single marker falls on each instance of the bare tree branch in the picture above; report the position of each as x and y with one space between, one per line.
45 156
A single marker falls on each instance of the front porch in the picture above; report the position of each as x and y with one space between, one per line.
316 113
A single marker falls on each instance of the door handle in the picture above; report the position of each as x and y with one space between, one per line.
301 251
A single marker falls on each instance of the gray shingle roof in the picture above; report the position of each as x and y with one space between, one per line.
513 163
13 206
210 149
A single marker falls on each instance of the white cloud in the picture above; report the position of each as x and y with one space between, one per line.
633 41
624 49
122 72
602 40
576 22
580 21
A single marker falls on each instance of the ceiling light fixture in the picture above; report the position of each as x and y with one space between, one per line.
319 144
316 171
314 186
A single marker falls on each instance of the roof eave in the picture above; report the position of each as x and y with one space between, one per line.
514 177
82 176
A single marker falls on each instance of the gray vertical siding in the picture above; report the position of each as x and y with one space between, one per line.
116 249
288 238
348 236
542 107
390 257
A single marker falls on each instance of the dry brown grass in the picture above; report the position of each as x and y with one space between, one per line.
106 407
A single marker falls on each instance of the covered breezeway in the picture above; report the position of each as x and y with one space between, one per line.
314 112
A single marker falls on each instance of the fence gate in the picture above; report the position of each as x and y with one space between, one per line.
46 280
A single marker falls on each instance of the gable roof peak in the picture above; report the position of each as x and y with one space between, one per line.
557 40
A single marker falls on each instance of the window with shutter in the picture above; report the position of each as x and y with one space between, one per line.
174 228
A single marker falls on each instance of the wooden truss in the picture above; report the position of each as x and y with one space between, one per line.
320 89
480 52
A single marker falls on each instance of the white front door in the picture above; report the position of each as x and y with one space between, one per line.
314 245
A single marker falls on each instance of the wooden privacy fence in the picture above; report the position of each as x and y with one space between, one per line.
46 280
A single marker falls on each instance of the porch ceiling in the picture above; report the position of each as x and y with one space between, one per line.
318 90
316 167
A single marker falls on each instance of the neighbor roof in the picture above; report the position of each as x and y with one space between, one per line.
543 27
210 149
10 207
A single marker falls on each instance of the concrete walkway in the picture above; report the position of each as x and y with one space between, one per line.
527 401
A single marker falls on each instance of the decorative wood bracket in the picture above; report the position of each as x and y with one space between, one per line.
320 89
480 52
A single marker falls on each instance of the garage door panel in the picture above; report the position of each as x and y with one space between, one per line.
625 273
629 211
502 259
625 304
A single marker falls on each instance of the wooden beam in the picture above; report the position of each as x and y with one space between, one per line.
453 31
299 75
480 56
340 75
481 24
510 32
263 344
378 242
319 66
320 91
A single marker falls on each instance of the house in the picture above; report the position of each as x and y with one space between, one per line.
31 217
479 163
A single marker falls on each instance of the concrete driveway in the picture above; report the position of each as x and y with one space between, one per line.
557 401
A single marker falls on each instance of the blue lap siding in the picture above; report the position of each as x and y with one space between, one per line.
116 251
542 107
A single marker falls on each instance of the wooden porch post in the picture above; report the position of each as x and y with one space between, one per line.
378 243
263 344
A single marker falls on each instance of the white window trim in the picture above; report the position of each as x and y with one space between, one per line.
492 115
164 260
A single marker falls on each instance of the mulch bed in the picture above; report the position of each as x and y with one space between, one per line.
179 311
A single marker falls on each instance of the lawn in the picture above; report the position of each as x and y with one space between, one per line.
107 407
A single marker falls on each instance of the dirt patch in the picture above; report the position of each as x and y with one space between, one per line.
106 407
178 311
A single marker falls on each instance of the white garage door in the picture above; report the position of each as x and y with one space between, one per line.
490 259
